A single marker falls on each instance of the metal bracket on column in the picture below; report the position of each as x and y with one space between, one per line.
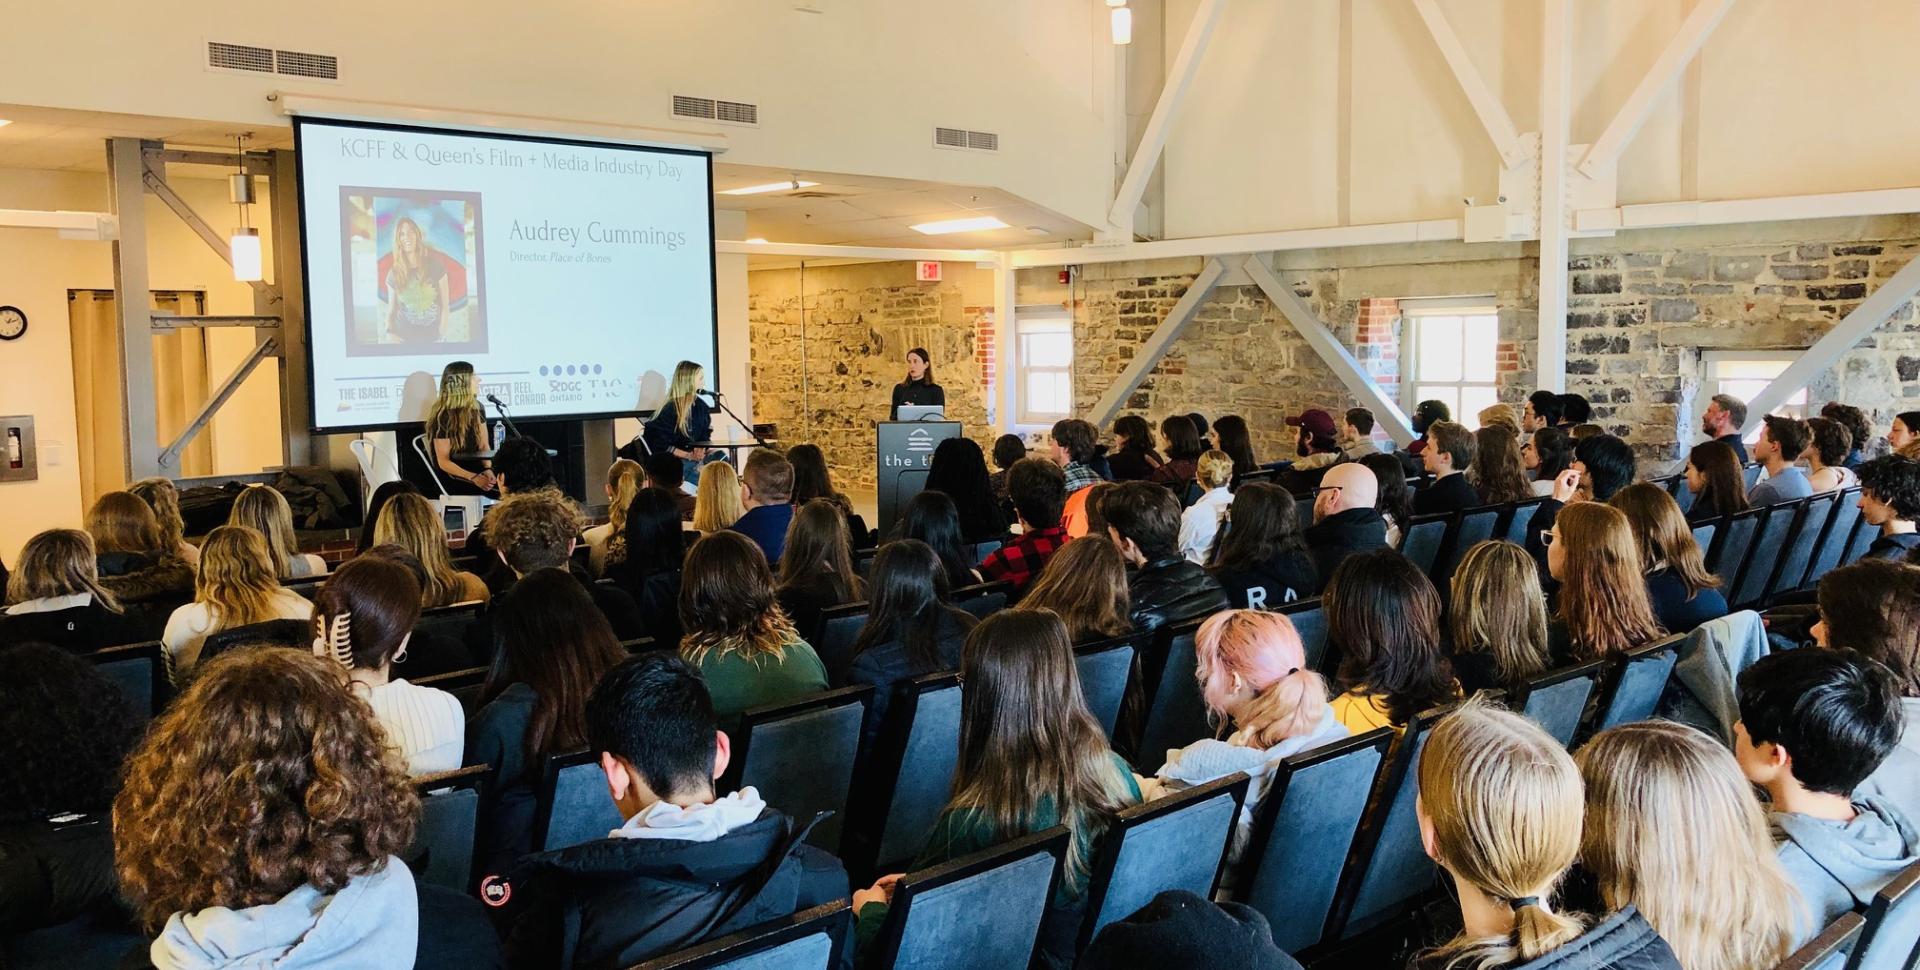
165 320
269 347
156 183
1158 342
1359 383
1865 319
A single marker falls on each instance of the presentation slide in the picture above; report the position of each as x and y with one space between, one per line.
572 275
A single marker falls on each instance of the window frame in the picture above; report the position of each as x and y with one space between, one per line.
1710 384
1412 312
1034 320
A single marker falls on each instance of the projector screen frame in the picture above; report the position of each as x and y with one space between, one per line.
306 292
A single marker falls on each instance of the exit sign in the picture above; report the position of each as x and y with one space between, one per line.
927 271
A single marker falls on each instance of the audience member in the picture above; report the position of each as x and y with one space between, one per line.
812 479
1180 929
817 570
1542 411
67 730
1601 609
1498 620
428 652
1813 725
57 598
236 587
1230 435
261 822
1826 456
1890 501
376 507
688 865
362 619
1714 477
1200 522
263 509
1546 453
1383 626
1673 830
1315 445
650 574
1724 417
1086 584
1031 757
1096 519
1180 442
1199 422
1681 592
1007 449
1254 677
1872 607
1581 432
1073 444
1500 811
1261 559
960 471
911 629
161 496
1165 588
1499 416
1497 475
1133 457
1859 432
624 481
668 474
1038 488
766 492
931 517
553 647
411 523
538 530
1345 520
134 564
736 634
1356 433
1782 440
1574 410
1449 452
1425 415
522 465
717 504
1602 465
1904 434
1393 497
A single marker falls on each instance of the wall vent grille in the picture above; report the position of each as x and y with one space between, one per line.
716 109
303 64
239 57
965 140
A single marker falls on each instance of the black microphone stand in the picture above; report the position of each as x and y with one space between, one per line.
504 416
721 403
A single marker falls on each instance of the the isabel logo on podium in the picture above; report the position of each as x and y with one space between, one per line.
920 439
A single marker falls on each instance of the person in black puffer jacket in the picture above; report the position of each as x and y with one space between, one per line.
1165 587
1344 518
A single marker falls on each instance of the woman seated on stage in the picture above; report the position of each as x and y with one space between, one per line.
682 420
456 426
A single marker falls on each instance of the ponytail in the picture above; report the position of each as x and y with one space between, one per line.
1538 931
1289 707
624 479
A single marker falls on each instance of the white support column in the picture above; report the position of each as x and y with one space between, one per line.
133 298
1550 357
1157 343
1154 139
1335 354
1486 104
1002 379
1825 352
1679 52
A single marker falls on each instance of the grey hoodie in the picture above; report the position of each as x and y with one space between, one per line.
373 922
1838 866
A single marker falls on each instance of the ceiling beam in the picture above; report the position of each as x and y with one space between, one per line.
1152 141
1332 352
1158 343
1378 234
1845 335
1679 52
737 248
1556 111
1486 104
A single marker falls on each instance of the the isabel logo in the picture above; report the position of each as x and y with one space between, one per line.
495 891
920 439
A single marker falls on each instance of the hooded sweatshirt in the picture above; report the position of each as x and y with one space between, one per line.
372 922
1207 760
1838 866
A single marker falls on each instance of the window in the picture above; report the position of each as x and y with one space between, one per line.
1450 348
1744 374
1043 371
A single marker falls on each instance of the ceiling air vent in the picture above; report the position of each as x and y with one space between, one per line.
250 59
326 67
714 109
961 138
239 57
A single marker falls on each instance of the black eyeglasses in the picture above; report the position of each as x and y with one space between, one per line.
1327 488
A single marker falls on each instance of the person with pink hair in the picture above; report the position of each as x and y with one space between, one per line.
1253 675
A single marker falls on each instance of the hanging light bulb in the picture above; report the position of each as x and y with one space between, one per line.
1122 19
244 243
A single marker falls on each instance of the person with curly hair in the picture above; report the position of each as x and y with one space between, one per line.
538 530
261 821
64 731
1890 501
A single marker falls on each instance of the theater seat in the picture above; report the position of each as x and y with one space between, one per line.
1106 668
1639 682
800 755
902 788
1556 700
808 940
982 910
1176 842
572 805
1393 871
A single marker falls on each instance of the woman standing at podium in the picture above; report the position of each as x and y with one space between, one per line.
455 425
682 420
918 388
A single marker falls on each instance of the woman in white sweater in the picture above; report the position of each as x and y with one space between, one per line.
237 585
362 619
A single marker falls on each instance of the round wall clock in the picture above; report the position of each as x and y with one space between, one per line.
13 323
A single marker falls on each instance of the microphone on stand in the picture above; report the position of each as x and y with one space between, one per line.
502 408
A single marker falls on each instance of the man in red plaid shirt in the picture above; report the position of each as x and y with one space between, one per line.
1039 491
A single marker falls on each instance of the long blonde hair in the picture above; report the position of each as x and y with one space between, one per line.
1672 828
455 414
716 504
1603 596
58 562
121 522
1504 802
410 522
624 481
263 509
1263 652
411 266
161 496
236 582
1498 608
687 378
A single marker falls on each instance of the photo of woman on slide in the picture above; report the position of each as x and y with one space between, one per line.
416 288
413 272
